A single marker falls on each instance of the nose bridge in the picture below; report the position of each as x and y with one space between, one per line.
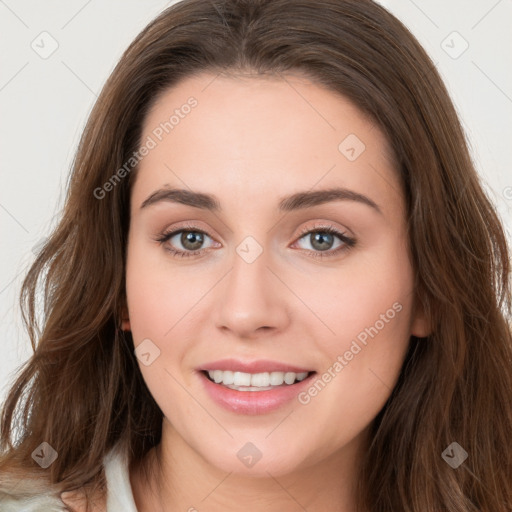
251 296
249 266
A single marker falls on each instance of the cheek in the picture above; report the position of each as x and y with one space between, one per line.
359 374
370 314
156 305
155 302
161 309
374 293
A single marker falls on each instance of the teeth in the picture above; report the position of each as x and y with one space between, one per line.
256 380
260 380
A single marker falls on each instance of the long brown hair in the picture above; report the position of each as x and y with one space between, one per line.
82 391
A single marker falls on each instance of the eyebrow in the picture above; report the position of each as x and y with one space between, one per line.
297 201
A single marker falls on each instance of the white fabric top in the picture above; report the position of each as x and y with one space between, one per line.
119 491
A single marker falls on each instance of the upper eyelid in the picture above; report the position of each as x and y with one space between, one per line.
325 225
302 231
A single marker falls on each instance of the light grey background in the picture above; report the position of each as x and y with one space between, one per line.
44 103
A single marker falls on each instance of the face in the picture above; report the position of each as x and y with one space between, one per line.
265 275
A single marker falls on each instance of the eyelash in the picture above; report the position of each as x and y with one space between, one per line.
348 242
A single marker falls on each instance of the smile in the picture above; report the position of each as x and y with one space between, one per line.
265 381
257 387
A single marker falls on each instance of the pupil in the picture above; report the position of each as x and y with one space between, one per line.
191 238
319 239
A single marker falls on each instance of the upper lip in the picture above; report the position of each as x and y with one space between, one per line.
258 366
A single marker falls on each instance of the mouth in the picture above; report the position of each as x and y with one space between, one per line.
253 388
264 381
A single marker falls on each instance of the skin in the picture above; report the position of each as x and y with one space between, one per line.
251 141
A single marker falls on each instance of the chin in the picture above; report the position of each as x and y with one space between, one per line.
257 460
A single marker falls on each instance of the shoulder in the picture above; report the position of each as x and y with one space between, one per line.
27 495
75 502
32 495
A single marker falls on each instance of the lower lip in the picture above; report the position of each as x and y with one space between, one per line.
253 402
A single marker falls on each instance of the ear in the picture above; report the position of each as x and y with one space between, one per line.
421 326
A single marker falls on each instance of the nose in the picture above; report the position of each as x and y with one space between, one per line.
251 301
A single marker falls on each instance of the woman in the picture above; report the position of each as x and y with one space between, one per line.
202 348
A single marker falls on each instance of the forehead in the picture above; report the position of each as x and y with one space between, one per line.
251 134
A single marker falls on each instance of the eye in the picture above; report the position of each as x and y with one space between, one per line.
190 238
323 238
